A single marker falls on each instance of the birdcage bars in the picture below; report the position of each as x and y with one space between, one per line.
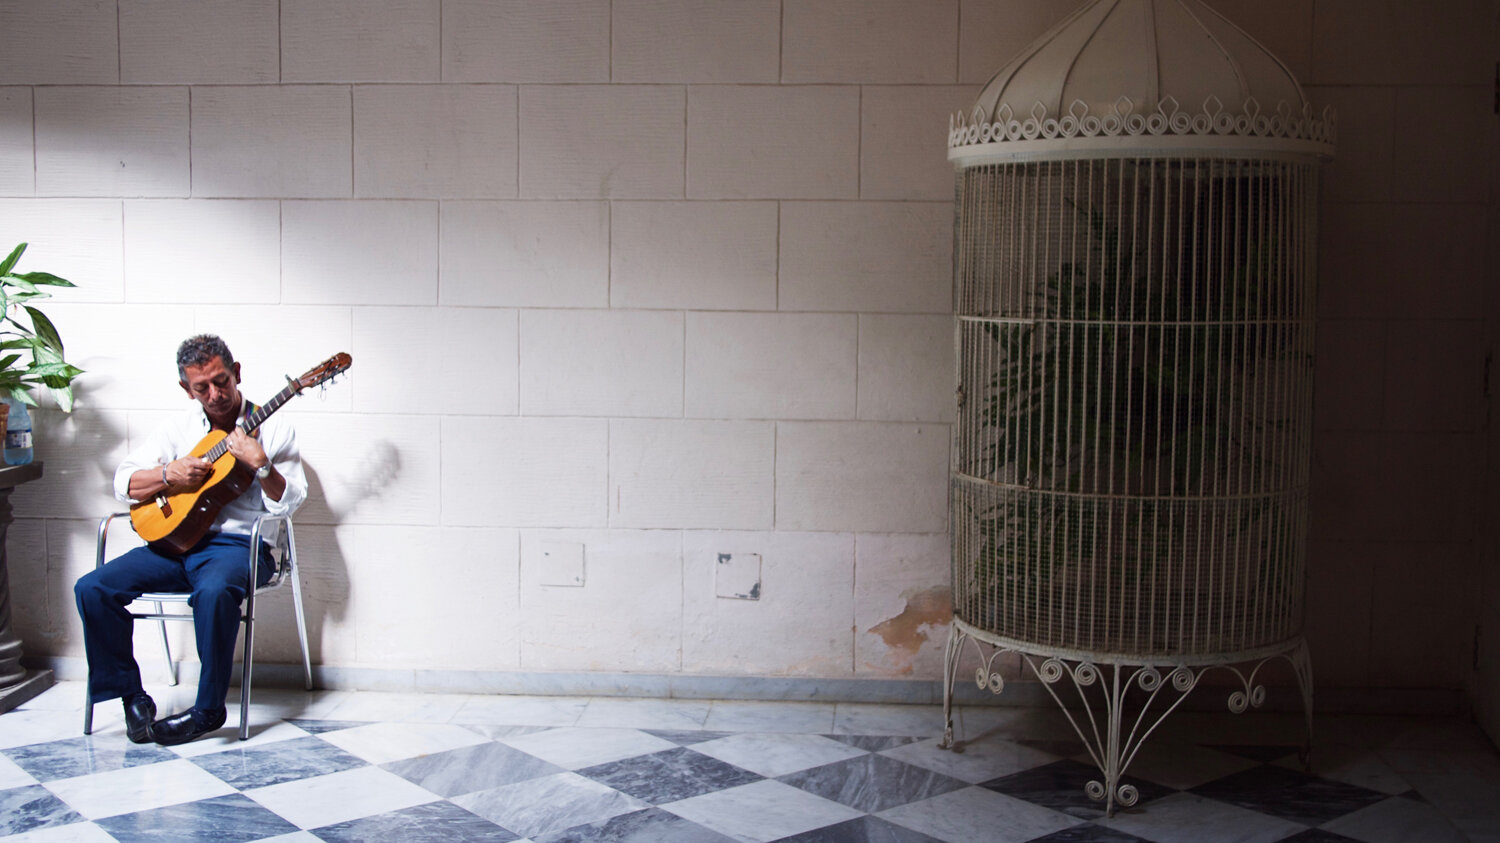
1129 482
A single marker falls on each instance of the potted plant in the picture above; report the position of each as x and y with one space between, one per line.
1113 407
30 356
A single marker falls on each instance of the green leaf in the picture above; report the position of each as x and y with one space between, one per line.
49 370
63 395
19 393
21 284
8 263
46 278
45 329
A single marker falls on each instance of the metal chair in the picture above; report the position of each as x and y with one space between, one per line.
284 554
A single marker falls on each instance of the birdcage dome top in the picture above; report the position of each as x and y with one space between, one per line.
1141 77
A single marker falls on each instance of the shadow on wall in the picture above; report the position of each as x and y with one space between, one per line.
80 450
323 563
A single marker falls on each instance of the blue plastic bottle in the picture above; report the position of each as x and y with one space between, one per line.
17 434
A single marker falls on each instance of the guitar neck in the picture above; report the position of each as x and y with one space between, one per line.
254 420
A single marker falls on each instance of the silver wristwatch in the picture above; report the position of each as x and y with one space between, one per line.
263 472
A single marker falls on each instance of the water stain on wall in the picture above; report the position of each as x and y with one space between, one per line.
904 634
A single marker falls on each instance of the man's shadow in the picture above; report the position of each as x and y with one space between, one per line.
323 570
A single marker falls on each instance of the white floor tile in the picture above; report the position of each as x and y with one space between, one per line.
762 811
382 743
265 732
409 708
138 788
13 776
979 761
974 813
84 832
28 726
550 803
340 797
288 703
62 696
522 710
773 755
574 748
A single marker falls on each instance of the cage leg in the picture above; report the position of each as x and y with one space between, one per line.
950 672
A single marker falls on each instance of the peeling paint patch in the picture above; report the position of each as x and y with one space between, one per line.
905 633
737 576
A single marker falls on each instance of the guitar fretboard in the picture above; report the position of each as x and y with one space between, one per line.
256 418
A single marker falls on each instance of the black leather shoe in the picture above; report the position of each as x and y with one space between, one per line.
140 710
187 726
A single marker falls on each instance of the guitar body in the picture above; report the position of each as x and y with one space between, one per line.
172 524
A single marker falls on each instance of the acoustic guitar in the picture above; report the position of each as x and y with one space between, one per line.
175 523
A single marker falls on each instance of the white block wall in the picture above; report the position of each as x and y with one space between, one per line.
668 279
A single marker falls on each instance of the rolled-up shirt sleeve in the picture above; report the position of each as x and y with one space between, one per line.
155 452
281 445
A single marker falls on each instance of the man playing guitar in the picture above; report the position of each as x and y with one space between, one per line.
213 569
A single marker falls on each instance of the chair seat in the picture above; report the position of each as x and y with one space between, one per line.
166 597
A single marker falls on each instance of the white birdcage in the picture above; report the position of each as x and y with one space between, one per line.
1134 297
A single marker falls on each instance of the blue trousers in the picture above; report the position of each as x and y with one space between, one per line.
215 572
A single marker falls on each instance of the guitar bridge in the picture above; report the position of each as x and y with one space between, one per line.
164 505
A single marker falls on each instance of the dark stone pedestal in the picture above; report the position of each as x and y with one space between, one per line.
17 684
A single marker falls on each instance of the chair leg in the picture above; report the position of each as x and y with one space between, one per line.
307 682
88 710
166 648
247 666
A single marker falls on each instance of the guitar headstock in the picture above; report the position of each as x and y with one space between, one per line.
325 371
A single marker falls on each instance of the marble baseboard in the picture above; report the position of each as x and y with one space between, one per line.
1019 693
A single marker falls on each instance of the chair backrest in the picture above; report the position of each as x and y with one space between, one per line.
283 547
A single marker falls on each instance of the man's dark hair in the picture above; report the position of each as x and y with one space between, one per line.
197 351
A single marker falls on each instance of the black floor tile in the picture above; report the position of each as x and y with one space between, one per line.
872 782
669 775
234 818
652 825
434 822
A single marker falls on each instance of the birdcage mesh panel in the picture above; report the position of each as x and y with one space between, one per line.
1135 379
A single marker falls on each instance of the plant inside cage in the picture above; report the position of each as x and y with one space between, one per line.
1120 412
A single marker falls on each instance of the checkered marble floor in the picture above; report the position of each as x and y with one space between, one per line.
342 765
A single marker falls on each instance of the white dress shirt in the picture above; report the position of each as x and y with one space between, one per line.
178 436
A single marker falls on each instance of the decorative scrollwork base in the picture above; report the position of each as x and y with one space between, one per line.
1100 719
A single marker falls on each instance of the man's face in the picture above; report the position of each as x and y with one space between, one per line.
215 387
